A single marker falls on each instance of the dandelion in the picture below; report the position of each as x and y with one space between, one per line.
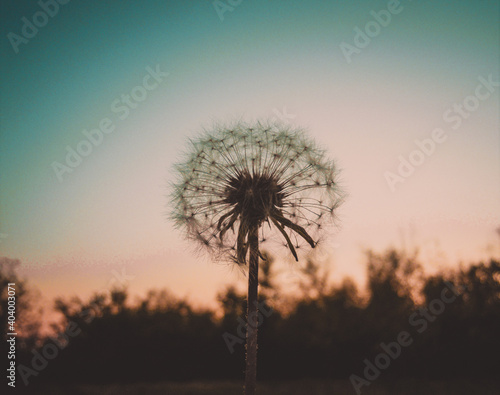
243 186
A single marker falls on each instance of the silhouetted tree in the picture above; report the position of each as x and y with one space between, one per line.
27 312
325 334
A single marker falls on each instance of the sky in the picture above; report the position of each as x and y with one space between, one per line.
404 96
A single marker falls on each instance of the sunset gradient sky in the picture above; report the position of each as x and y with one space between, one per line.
260 60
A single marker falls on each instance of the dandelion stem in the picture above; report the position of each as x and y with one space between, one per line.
252 312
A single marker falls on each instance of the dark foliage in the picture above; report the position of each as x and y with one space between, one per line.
326 334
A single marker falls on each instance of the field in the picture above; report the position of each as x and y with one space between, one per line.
306 387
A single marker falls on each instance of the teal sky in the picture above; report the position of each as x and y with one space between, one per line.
262 59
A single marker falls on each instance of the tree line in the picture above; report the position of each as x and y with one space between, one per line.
404 324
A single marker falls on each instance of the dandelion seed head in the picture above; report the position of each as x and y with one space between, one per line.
261 176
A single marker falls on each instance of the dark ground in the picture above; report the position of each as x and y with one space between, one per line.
305 387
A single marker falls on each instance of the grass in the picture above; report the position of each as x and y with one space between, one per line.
299 387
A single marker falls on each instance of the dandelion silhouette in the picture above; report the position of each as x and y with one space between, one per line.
240 186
